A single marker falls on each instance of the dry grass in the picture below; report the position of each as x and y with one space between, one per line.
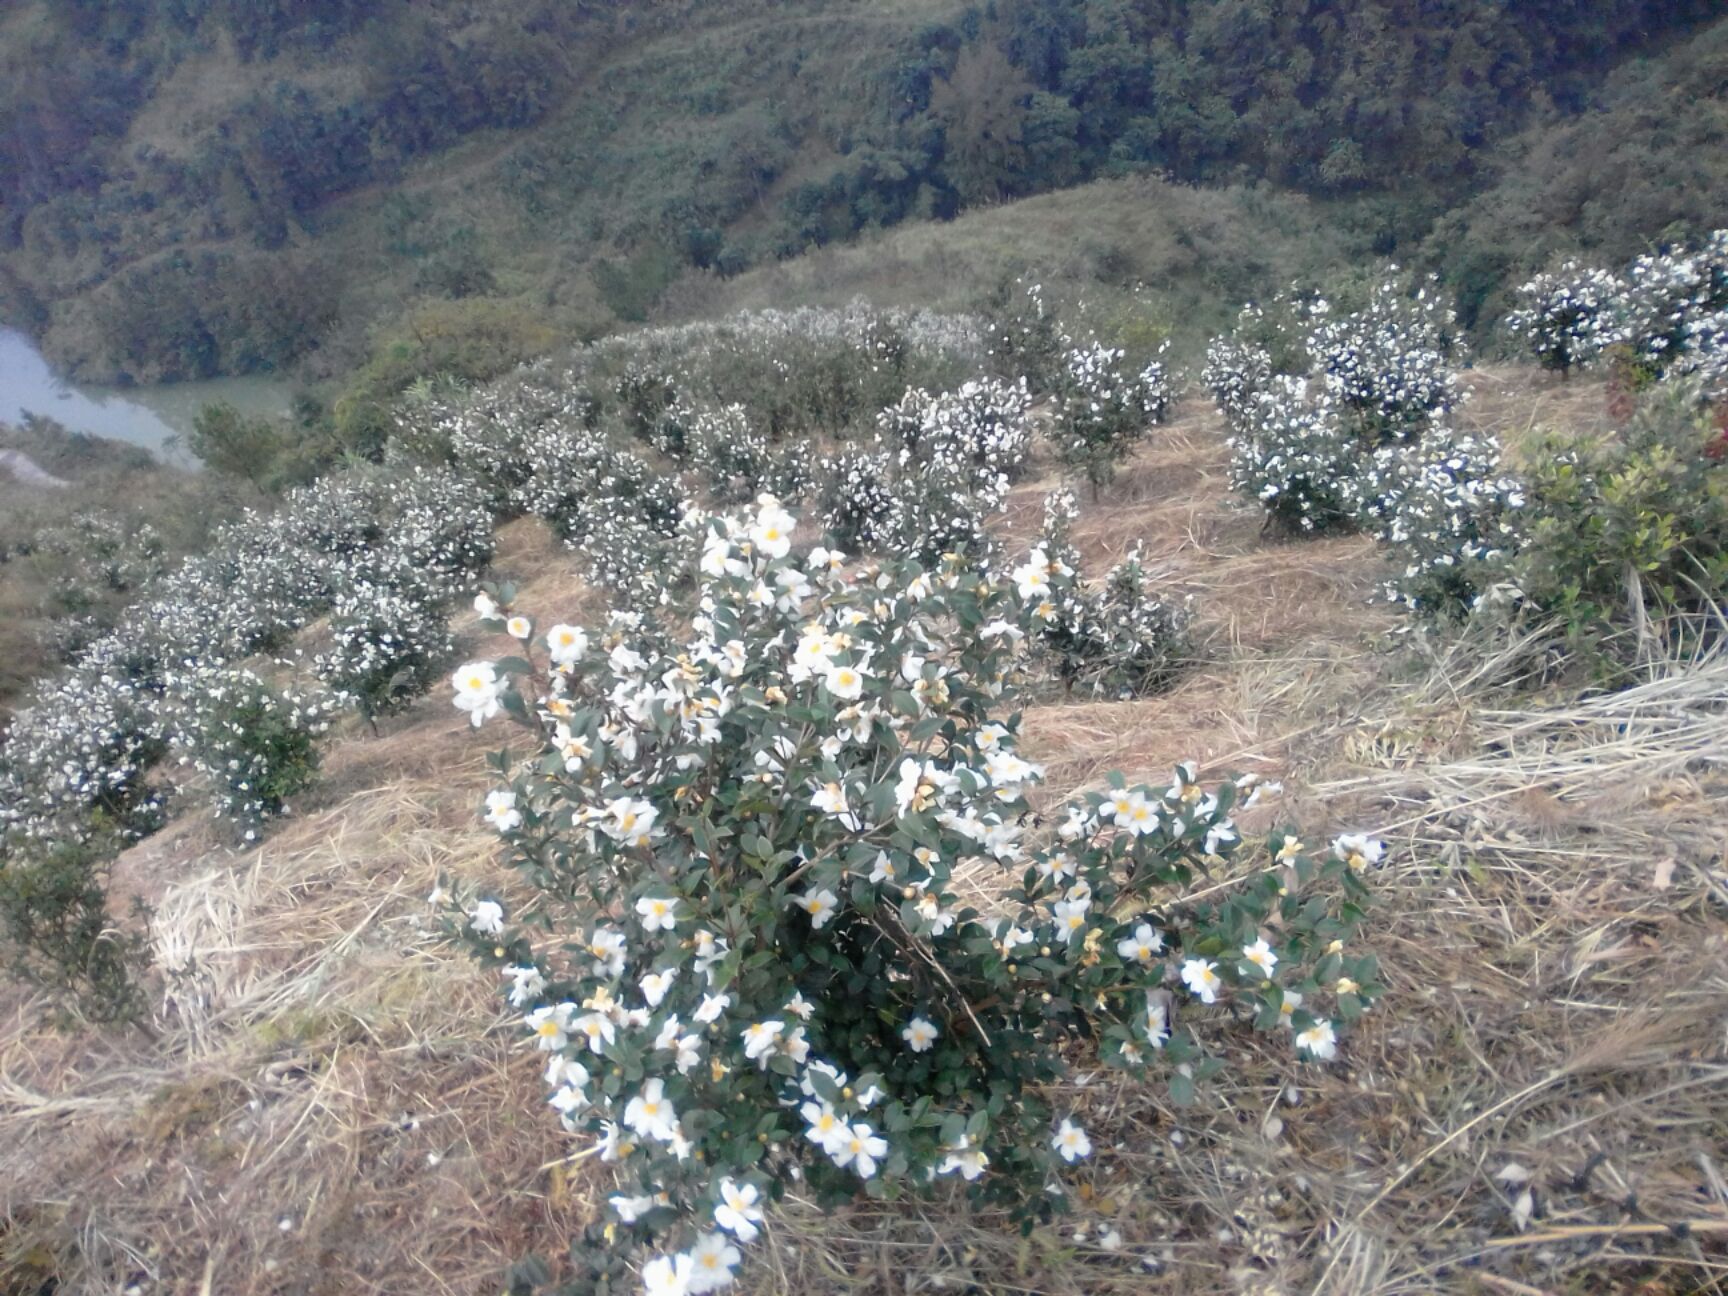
334 1103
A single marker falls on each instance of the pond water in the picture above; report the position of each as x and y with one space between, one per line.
146 416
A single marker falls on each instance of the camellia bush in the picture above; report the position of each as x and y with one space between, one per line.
1318 436
255 745
1566 318
1104 407
1114 638
792 917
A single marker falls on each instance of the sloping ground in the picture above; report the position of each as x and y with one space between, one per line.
335 1103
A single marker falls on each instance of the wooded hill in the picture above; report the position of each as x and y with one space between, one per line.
194 187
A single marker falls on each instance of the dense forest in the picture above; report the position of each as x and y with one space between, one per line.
199 187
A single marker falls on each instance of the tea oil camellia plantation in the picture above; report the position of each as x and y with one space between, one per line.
1023 647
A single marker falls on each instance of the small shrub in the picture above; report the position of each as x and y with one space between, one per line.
743 842
1452 518
390 639
59 935
1567 318
255 745
1116 638
1103 410
1024 338
1629 523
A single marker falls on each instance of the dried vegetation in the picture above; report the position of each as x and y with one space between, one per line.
332 1102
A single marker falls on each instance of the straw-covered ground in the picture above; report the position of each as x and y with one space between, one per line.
335 1102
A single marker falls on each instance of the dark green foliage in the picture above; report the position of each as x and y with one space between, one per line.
1631 525
56 932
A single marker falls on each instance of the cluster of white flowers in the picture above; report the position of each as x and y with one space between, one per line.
1367 385
80 750
389 637
759 963
254 744
982 429
1674 314
1104 406
1668 314
1450 513
1568 317
1115 637
1389 364
1290 448
733 462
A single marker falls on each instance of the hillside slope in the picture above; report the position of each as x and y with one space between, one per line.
337 1104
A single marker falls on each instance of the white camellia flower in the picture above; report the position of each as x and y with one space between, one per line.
737 1211
1359 852
566 644
772 531
487 918
760 1039
862 1149
1201 977
830 799
657 913
650 1114
712 1261
920 1034
1070 1141
477 689
1143 946
1071 916
485 605
826 1127
597 1029
844 682
668 1275
519 627
629 820
526 984
1319 1041
711 1007
1261 956
964 1157
654 986
551 1026
501 811
820 905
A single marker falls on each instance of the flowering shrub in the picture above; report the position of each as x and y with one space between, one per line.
1103 408
856 498
1568 317
1451 516
1387 365
1290 450
790 921
1305 444
1674 316
1114 638
1025 340
76 759
390 639
982 428
255 745
733 462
